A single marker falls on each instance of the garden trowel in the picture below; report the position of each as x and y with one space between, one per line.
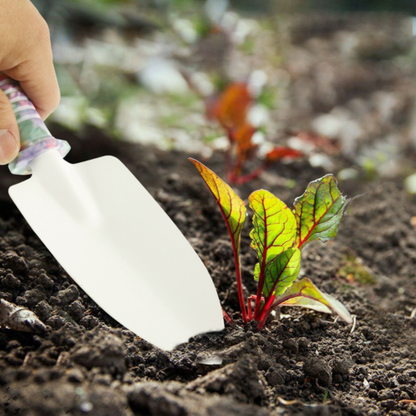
111 236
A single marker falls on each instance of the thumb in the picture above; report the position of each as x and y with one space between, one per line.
9 131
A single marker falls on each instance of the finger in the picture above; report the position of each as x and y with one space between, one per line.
41 86
36 74
9 131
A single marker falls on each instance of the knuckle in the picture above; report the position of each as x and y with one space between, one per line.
35 39
41 33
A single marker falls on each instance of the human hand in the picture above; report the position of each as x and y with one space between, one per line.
26 56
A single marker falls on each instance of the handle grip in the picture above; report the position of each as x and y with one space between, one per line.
35 137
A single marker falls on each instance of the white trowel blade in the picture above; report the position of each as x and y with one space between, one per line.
119 245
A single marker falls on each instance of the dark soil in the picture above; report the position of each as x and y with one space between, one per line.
304 363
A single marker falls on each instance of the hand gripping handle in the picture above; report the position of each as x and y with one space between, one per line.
35 137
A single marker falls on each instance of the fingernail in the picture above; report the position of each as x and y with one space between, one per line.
8 147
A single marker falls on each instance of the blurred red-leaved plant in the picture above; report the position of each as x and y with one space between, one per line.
230 109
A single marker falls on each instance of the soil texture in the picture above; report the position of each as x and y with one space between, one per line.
302 363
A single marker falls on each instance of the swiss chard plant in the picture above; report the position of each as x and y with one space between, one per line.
230 109
278 236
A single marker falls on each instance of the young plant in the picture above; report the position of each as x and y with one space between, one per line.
230 109
278 236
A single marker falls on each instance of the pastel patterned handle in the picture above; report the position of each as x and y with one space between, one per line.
35 137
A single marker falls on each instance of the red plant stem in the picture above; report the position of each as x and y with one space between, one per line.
259 290
260 284
237 168
237 270
228 167
267 304
250 311
274 305
231 178
262 321
227 318
265 315
239 284
268 311
241 180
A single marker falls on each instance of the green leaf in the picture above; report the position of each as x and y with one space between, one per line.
282 272
232 207
274 225
273 233
305 294
234 213
256 272
319 211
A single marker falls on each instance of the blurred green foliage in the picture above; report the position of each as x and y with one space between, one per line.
268 97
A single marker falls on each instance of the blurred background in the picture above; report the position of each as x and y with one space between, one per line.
334 80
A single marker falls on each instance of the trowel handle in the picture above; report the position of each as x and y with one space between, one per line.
35 137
